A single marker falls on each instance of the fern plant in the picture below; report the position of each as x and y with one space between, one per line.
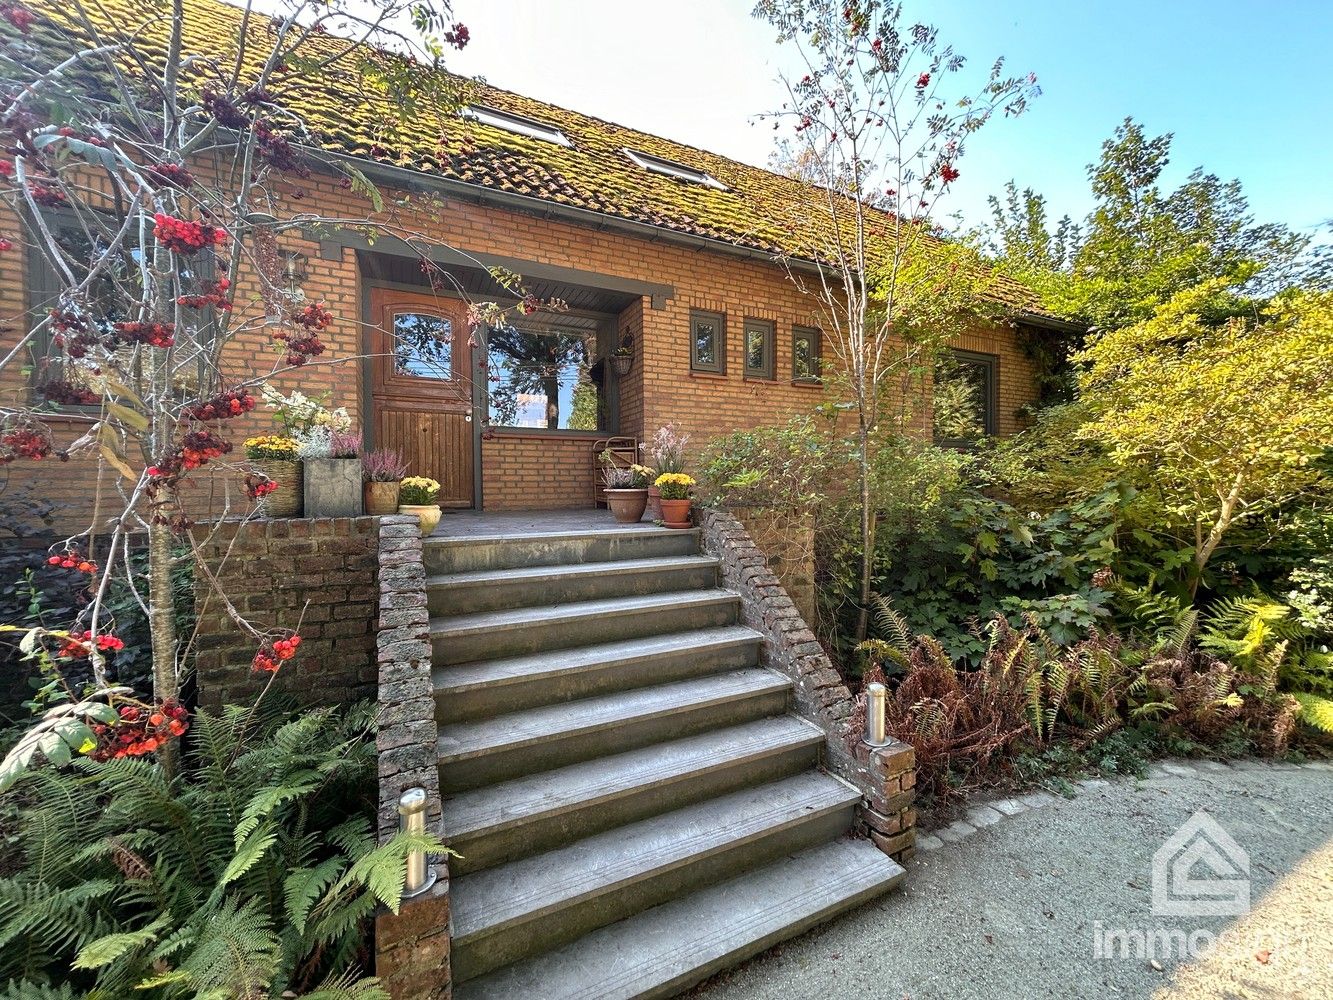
253 874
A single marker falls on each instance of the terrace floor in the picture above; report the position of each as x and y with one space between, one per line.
473 523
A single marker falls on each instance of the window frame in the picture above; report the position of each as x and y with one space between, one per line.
991 417
672 168
768 329
508 121
606 415
719 321
816 337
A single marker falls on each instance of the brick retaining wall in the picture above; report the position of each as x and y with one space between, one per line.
886 776
320 572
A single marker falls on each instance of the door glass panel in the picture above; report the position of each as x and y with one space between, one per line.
423 345
543 378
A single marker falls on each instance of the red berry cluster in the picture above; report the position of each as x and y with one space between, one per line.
6 244
6 168
80 644
169 175
73 332
275 150
230 404
196 449
62 390
27 439
948 173
72 558
258 485
185 237
46 194
153 334
458 36
313 317
227 114
17 15
272 655
139 731
215 296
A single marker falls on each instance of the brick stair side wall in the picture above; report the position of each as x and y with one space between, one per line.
886 776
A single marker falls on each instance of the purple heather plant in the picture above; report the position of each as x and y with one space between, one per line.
383 466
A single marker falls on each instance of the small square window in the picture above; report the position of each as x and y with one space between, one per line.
965 398
805 354
708 345
759 344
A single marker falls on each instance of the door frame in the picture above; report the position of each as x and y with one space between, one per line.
368 288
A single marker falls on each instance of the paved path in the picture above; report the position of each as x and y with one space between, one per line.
1017 901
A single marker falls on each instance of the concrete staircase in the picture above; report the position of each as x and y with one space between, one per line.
634 806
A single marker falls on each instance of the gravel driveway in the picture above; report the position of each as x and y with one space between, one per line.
1050 897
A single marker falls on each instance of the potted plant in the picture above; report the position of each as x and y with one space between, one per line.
332 472
383 473
275 456
622 358
417 496
667 453
675 488
626 489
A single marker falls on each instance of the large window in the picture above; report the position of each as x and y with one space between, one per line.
759 348
965 401
805 351
542 377
708 342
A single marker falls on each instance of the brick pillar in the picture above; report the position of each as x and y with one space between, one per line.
411 946
886 809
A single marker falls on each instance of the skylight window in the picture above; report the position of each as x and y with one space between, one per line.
673 169
530 127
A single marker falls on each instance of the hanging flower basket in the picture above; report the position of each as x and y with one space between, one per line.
621 364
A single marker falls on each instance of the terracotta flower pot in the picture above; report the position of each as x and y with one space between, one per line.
654 504
676 513
285 501
627 505
381 498
427 513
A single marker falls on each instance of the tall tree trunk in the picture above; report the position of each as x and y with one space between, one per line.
867 532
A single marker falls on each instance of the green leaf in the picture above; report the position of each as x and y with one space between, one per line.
361 184
109 947
250 853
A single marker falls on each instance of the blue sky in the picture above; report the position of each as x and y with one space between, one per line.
1245 86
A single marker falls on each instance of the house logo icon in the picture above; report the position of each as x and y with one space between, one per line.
1200 872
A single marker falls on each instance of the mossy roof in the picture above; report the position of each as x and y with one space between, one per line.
757 209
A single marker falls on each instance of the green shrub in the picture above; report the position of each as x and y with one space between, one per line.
254 873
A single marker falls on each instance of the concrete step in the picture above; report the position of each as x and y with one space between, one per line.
506 914
525 587
662 951
494 687
466 554
494 634
501 823
474 754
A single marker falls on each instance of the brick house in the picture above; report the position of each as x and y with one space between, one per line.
650 242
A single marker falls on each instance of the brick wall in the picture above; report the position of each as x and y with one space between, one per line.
885 775
318 572
660 389
536 471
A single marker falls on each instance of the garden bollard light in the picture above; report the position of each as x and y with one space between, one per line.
412 819
875 703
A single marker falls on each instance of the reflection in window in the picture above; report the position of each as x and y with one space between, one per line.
706 345
423 345
805 354
759 348
964 402
542 377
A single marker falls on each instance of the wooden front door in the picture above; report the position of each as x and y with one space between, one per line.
421 387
